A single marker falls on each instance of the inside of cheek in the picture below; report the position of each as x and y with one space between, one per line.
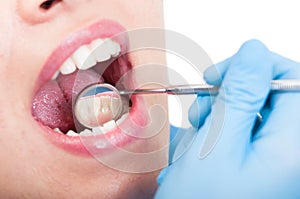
53 104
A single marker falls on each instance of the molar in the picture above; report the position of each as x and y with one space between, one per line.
86 132
72 133
117 49
108 126
122 119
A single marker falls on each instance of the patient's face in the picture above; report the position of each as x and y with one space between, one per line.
50 50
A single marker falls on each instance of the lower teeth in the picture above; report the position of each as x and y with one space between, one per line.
72 133
108 126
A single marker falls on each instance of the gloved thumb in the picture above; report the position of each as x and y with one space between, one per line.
199 110
202 105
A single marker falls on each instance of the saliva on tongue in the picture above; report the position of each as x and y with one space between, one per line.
52 105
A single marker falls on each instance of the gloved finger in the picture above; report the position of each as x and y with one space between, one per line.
284 106
202 105
214 74
199 110
244 90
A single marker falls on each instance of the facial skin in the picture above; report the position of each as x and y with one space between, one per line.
31 166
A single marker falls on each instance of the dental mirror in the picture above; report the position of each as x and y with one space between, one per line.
98 104
101 103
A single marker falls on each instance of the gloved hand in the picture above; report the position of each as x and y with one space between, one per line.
232 156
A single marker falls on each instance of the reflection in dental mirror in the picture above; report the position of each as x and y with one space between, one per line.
98 104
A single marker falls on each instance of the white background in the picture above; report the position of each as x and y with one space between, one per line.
221 26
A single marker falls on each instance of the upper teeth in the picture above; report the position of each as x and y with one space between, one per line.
83 58
87 56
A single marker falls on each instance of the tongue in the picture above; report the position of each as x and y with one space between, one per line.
52 105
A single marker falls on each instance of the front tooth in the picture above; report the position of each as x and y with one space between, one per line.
72 133
86 132
99 50
68 67
83 58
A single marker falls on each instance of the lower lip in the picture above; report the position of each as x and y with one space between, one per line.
88 146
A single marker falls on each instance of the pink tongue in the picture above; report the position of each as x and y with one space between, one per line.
52 105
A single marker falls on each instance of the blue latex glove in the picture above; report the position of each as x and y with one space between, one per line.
246 162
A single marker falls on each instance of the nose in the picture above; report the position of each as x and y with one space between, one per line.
39 11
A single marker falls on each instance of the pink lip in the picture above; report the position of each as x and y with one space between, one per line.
110 140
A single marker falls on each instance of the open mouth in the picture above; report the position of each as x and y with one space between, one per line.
97 62
90 56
